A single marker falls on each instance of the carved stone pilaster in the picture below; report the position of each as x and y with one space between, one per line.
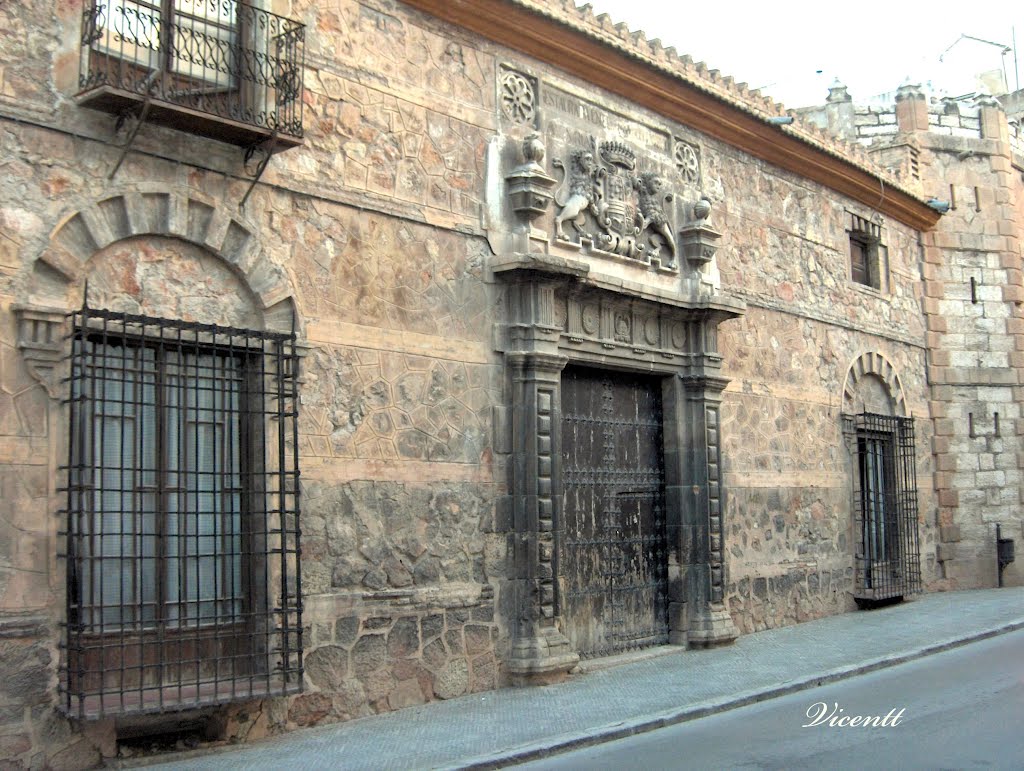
40 340
540 652
710 622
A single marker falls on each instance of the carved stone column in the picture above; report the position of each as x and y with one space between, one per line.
540 652
710 622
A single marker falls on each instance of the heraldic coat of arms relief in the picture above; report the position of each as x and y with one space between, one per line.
605 202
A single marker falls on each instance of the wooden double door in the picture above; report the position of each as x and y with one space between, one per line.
613 550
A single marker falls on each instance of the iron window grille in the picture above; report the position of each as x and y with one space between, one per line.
192 60
182 516
888 560
869 258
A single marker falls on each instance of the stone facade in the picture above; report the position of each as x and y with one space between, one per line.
464 220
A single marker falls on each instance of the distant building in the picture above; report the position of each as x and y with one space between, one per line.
355 355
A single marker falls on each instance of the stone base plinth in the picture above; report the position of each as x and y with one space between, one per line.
541 660
713 627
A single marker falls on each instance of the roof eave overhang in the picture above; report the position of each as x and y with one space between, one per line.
607 67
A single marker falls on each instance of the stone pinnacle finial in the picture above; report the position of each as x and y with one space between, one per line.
909 90
837 93
985 99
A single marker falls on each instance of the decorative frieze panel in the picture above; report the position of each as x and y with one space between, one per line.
545 503
627 191
715 559
636 328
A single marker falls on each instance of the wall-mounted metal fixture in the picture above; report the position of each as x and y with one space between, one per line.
940 206
1004 552
974 291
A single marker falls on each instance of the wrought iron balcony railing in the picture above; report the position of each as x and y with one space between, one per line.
221 68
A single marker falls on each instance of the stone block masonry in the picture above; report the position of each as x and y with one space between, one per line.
435 316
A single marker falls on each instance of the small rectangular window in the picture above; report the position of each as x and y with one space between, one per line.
869 259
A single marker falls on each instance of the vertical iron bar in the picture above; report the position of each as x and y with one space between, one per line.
282 504
123 536
76 509
101 466
258 421
160 459
193 606
296 504
139 449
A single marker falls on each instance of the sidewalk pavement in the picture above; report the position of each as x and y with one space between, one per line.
514 725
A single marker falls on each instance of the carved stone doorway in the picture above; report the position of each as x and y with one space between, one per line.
613 555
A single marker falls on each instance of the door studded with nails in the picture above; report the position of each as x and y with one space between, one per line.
613 560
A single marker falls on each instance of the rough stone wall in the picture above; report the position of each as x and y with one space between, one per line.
373 228
787 467
400 560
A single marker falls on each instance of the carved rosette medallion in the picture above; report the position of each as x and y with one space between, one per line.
518 98
560 313
591 319
687 158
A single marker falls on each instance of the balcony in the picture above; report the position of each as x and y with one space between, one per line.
218 68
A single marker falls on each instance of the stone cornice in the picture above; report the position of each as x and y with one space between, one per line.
626 64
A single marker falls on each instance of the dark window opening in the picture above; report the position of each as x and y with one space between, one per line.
869 258
182 516
888 562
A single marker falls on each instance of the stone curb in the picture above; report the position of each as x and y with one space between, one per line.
612 731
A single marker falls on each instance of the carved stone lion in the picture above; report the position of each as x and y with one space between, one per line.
582 192
651 198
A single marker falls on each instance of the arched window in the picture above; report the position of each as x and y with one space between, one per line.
883 454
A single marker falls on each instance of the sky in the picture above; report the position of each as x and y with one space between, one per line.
794 50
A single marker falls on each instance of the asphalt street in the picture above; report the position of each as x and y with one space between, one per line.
961 709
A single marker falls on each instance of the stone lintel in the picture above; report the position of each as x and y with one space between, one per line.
548 268
543 264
